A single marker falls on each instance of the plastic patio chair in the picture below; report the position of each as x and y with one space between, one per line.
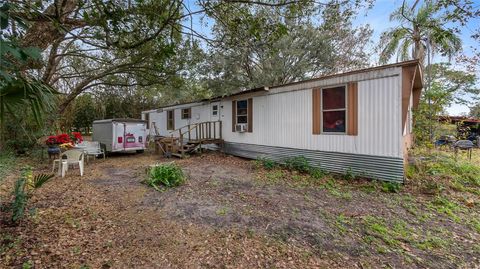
73 157
93 149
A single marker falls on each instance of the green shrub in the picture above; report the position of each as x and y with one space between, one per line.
317 173
392 187
349 174
298 163
266 163
168 175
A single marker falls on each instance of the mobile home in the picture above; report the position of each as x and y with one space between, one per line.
359 121
121 135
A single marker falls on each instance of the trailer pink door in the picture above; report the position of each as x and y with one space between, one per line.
129 136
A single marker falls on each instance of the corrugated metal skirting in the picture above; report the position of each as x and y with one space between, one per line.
376 167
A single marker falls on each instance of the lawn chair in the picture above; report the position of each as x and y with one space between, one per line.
94 149
73 157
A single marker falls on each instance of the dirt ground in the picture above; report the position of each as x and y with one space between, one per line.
231 214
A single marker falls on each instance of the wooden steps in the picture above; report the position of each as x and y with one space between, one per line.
190 138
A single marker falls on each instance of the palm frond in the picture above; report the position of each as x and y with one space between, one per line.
402 14
41 179
445 41
404 50
425 14
33 94
389 43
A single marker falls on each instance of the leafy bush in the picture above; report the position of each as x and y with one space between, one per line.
317 173
266 163
349 174
392 187
298 163
169 175
434 171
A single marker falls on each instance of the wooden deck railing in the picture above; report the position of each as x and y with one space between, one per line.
200 132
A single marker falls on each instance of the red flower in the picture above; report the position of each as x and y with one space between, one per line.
75 137
63 138
78 137
51 140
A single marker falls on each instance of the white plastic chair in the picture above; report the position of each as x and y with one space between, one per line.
73 157
93 149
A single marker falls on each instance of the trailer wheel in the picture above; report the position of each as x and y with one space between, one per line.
140 151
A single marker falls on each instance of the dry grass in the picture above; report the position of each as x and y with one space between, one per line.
231 214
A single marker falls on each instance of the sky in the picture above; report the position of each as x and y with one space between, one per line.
378 17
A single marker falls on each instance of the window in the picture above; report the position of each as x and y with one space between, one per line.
214 110
242 111
334 109
186 112
170 120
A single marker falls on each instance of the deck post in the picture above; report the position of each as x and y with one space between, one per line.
189 136
181 146
209 130
220 129
196 131
214 130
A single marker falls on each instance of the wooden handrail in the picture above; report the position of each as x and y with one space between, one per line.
203 130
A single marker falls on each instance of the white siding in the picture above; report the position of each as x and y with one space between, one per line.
283 117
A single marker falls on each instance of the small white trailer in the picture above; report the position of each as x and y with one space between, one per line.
121 135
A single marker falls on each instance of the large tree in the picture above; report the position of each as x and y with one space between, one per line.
87 42
448 86
256 45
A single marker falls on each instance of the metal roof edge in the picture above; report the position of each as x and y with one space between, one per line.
119 119
267 88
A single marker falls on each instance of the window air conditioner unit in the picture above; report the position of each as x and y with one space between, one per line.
241 128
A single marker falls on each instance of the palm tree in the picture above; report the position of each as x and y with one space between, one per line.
418 30
18 90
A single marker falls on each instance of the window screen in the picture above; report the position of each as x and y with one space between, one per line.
334 110
242 111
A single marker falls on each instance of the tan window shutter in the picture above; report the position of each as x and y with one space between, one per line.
352 109
317 112
234 114
250 115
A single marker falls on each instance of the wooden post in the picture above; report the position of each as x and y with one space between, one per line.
209 130
189 136
181 146
220 129
196 131
214 130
